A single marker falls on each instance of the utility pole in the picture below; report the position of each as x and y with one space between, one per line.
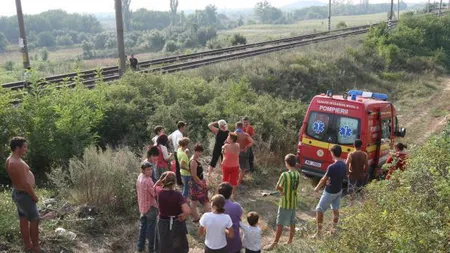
398 9
428 6
440 7
391 13
329 15
23 37
120 39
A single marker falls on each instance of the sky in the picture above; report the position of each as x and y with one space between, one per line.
8 7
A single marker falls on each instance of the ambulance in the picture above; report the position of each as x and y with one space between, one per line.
341 119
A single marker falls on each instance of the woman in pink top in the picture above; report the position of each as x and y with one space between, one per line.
230 164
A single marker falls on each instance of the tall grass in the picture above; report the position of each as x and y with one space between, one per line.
102 178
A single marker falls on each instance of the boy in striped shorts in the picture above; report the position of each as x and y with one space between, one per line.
287 186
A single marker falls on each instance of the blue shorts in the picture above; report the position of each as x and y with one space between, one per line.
26 207
286 217
328 200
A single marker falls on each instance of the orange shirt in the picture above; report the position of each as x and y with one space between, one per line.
250 130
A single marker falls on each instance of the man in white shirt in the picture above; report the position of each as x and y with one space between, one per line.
175 137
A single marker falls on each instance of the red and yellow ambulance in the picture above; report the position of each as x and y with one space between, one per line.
341 119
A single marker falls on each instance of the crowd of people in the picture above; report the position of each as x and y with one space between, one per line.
164 208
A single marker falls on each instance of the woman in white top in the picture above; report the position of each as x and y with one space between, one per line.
217 226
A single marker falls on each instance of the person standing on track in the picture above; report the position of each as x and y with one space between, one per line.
331 196
357 167
133 62
175 137
221 136
23 194
250 131
245 142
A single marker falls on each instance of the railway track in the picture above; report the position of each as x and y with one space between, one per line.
112 73
195 60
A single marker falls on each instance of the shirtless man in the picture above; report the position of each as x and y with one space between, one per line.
245 142
23 194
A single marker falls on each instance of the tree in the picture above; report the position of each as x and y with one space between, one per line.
44 54
211 14
46 39
64 40
173 11
240 21
267 13
88 49
3 42
126 13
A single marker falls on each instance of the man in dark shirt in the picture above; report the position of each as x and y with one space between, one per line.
133 62
331 196
357 164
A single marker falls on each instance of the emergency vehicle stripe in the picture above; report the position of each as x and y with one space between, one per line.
325 145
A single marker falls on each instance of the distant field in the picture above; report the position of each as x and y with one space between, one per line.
257 33
65 58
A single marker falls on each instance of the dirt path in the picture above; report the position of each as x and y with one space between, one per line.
424 118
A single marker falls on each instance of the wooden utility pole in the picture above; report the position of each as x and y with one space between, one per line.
398 9
391 13
23 36
329 15
440 7
120 38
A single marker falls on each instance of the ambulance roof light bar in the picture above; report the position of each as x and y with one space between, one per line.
355 93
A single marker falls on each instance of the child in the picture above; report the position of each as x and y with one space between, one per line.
217 226
148 208
252 234
287 185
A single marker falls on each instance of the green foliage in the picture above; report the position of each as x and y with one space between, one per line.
46 39
64 40
341 25
153 40
3 42
267 13
88 49
424 37
238 39
102 178
408 213
44 54
170 46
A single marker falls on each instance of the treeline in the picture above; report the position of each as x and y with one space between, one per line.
50 28
269 14
155 31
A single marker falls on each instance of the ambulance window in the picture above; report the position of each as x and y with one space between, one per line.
318 125
348 130
386 130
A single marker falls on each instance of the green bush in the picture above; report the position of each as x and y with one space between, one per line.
238 39
170 46
408 213
44 54
341 25
102 178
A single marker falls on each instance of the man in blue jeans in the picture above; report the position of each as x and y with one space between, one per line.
331 196
148 208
